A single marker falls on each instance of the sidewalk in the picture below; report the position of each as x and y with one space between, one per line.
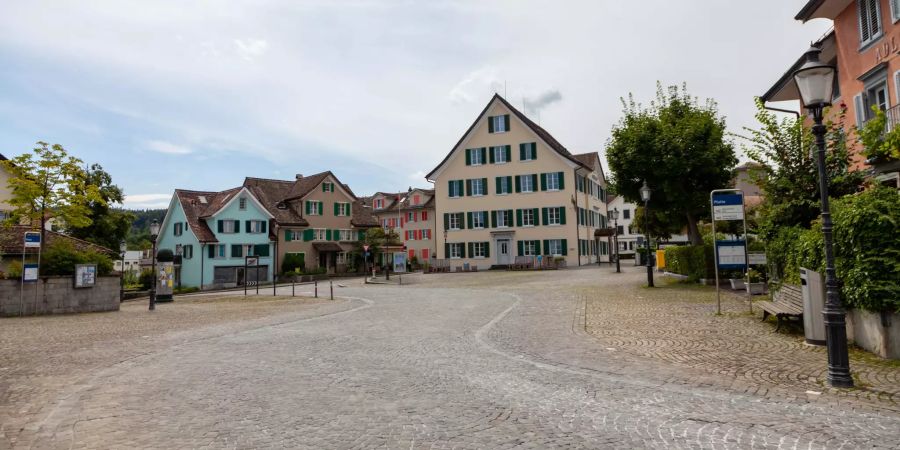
676 323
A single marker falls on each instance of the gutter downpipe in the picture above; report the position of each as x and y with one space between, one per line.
577 225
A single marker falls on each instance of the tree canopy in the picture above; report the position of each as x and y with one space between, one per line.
679 147
108 227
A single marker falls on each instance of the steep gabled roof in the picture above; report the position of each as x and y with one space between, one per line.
304 185
540 132
271 194
193 205
589 159
12 238
362 216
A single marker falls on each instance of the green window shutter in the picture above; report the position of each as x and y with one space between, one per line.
491 155
469 220
288 235
522 149
247 225
546 246
446 221
545 217
337 209
493 219
261 249
509 217
446 250
361 235
497 185
471 246
520 248
237 250
484 185
509 183
562 181
211 251
506 121
518 217
487 249
336 234
221 227
321 208
468 156
308 234
565 247
490 124
462 250
327 235
535 212
307 207
349 209
237 226
263 225
507 153
468 187
483 151
562 215
518 184
543 181
533 150
450 188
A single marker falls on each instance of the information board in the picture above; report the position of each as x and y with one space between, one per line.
399 262
757 258
731 254
30 273
728 207
85 275
32 239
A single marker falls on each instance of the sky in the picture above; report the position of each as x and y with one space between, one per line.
200 94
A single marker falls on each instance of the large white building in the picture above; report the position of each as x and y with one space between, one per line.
629 236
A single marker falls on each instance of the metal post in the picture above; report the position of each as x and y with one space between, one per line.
616 240
257 276
835 325
647 233
292 286
316 288
155 280
122 281
245 276
274 282
331 289
712 210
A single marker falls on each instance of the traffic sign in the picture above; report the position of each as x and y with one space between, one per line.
365 248
728 207
32 239
252 261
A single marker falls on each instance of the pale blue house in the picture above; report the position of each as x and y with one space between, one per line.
214 232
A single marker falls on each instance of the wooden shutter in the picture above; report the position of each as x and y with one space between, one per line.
543 181
533 146
562 215
546 247
471 246
211 251
518 217
468 156
237 250
450 188
493 219
490 124
860 110
446 250
497 185
491 155
327 235
509 183
520 248
469 220
446 221
221 227
562 180
321 209
237 226
469 188
308 234
261 249
247 226
522 152
262 225
506 122
534 180
545 216
518 184
484 186
536 214
337 209
487 249
306 208
565 247
507 154
288 235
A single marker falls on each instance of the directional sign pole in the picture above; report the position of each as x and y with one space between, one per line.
245 275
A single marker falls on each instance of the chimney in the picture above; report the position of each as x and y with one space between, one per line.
299 176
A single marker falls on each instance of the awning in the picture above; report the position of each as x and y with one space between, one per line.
327 247
604 232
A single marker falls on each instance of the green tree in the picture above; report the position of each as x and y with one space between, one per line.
108 226
49 183
789 176
679 147
662 224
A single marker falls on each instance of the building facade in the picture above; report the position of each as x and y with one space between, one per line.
508 189
412 216
629 235
864 46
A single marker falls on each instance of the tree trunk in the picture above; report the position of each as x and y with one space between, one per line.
693 231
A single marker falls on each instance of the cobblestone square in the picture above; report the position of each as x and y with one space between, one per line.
581 358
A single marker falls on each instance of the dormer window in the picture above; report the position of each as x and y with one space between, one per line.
242 203
498 124
379 203
281 205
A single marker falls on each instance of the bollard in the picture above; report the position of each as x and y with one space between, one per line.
292 286
331 287
274 285
316 287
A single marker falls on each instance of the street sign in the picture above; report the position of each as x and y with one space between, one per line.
757 258
32 239
731 254
728 207
366 248
252 261
30 273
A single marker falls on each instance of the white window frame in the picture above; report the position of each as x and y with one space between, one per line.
522 179
552 181
478 221
318 234
314 208
479 249
554 216
379 203
473 159
426 234
454 221
228 226
242 203
457 190
895 10
864 4
529 248
528 155
554 243
217 254
478 187
340 257
500 125
255 227
501 219
528 217
504 186
456 250
499 154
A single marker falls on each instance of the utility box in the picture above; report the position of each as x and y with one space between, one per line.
813 287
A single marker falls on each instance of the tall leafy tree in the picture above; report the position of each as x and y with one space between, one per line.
48 183
108 227
679 146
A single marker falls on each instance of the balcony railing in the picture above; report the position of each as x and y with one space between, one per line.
893 118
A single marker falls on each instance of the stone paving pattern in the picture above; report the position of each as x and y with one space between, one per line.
487 360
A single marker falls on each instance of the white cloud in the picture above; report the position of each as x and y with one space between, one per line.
475 86
147 201
250 49
418 176
167 147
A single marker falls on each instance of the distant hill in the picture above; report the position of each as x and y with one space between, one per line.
139 236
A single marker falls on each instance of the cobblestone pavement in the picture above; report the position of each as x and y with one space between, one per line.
488 360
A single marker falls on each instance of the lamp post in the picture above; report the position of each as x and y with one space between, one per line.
614 215
815 81
645 196
123 247
154 233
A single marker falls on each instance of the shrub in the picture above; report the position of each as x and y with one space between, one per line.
146 279
15 270
292 262
61 257
694 261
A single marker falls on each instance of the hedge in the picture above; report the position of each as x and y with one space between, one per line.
694 261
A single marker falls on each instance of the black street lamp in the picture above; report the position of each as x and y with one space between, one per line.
123 248
815 81
154 233
645 196
614 215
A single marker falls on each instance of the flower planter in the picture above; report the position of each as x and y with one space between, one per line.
737 284
756 288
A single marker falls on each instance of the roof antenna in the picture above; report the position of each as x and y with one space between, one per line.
504 88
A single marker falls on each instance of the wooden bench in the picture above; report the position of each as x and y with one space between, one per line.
787 302
522 263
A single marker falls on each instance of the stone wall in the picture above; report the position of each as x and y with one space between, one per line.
877 333
57 295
